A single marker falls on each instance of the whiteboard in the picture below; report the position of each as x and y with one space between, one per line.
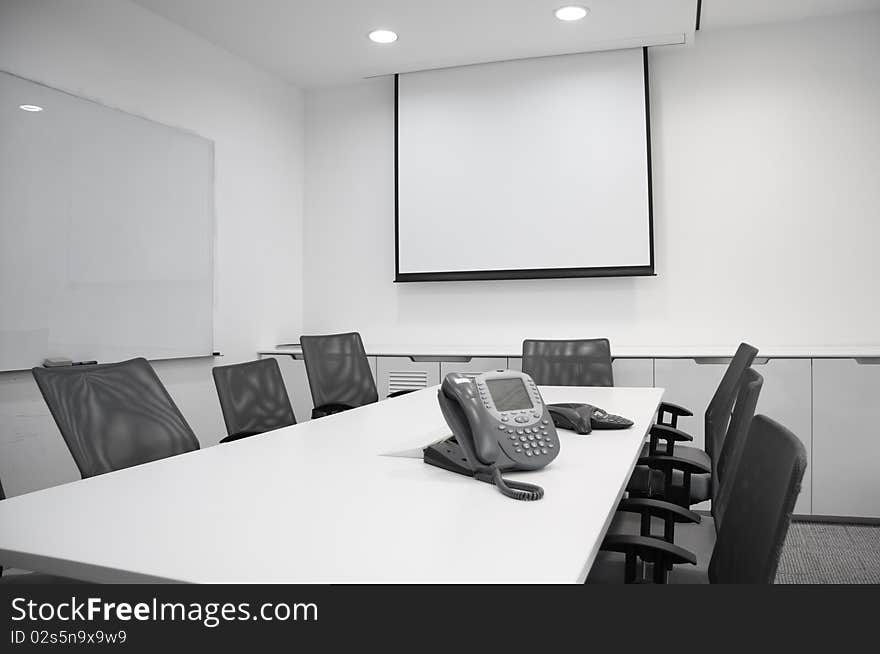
106 232
527 168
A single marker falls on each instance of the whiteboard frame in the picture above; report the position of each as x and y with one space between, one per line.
213 206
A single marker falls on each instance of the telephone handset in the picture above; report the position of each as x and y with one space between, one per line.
499 422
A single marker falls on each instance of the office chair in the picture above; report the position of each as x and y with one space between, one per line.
717 412
339 373
582 363
114 415
716 421
253 398
647 517
568 363
763 491
30 577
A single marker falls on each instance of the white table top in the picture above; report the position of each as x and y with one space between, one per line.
622 352
319 503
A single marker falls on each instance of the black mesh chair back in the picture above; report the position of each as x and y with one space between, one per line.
743 412
718 412
338 370
114 415
766 484
253 398
568 363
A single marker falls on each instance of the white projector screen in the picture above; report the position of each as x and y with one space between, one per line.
525 169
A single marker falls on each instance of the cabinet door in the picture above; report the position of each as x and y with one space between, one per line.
405 373
472 365
691 384
627 372
633 372
787 398
846 437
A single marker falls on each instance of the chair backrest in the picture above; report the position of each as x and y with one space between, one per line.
743 412
717 416
253 397
568 363
114 415
338 370
765 487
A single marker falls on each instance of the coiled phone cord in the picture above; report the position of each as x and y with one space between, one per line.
518 490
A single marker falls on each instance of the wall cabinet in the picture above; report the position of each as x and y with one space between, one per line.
846 437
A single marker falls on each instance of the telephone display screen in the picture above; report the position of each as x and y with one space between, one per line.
509 394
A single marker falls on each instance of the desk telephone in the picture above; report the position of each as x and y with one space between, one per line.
499 422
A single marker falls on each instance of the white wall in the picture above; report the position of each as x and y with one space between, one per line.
766 188
127 57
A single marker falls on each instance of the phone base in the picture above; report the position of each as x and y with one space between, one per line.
449 456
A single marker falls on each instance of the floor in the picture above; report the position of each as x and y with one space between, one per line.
820 553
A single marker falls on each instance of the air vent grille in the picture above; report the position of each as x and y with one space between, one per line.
407 380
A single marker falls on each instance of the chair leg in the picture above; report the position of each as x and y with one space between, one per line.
629 575
660 571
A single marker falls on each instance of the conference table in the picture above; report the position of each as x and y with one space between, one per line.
335 500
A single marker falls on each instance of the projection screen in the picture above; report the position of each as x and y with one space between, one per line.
524 169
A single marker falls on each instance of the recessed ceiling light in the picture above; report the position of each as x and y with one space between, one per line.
571 13
383 36
29 107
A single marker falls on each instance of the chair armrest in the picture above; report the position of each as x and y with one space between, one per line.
675 412
673 492
670 435
658 508
652 508
662 554
329 409
666 463
404 392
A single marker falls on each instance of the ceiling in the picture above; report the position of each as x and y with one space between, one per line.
324 42
733 13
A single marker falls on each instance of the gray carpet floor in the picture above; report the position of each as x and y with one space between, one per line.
819 553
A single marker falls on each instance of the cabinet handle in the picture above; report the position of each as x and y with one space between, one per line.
868 361
439 359
710 361
760 361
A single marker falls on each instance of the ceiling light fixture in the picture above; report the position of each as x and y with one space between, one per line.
30 107
383 36
570 13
